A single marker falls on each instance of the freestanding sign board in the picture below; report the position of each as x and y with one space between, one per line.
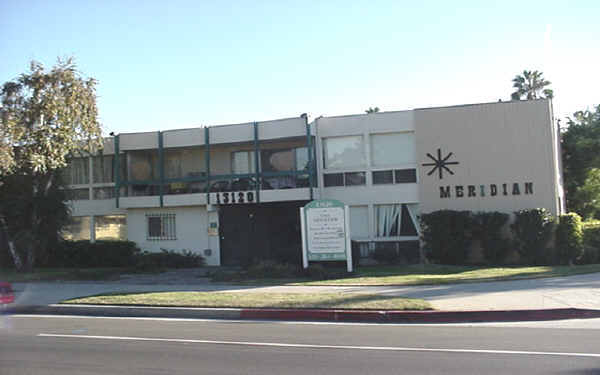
325 232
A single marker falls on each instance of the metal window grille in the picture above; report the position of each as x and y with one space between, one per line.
161 227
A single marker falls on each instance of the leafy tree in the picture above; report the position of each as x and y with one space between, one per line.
531 85
372 110
580 155
587 196
45 117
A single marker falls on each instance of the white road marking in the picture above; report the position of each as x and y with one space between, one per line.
316 346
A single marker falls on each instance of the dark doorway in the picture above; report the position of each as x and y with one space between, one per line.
253 232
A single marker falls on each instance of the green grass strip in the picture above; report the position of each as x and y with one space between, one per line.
258 300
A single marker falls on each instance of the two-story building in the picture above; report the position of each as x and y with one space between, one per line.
231 192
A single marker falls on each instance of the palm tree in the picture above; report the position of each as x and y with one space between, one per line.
372 110
530 84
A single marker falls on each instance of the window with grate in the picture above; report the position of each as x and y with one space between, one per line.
161 227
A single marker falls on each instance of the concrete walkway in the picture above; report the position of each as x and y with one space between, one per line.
581 291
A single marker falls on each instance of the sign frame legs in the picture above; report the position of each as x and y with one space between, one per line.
348 241
303 231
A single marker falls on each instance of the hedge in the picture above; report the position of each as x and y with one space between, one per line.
532 231
447 235
569 238
487 228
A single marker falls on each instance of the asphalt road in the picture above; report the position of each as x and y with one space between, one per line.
88 345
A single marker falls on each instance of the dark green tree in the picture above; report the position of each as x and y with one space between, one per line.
581 155
372 110
531 85
45 117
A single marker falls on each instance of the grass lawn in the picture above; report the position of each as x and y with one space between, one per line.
56 274
432 274
259 300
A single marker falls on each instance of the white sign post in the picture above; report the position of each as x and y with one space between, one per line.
325 226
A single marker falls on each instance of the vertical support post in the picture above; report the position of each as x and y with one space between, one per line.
256 162
304 244
348 242
161 167
207 162
310 154
117 170
92 229
91 177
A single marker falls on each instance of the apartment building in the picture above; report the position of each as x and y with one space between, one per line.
233 192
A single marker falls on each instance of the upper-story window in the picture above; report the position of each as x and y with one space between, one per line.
343 152
242 162
77 172
281 160
103 169
184 162
393 149
143 165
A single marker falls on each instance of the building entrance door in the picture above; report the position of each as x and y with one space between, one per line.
253 232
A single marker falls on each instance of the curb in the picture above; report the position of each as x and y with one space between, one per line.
367 316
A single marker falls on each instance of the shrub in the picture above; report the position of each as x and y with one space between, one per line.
271 269
327 270
291 254
591 255
84 254
569 238
386 252
169 259
487 227
532 231
447 235
591 244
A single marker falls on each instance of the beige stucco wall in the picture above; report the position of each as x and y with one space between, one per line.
495 143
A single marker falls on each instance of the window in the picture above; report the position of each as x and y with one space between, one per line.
405 175
78 228
383 177
77 172
398 176
242 162
343 152
354 178
344 179
301 158
161 227
393 149
184 162
393 220
112 227
143 165
103 169
333 179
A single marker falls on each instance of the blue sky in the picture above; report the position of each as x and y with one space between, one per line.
166 65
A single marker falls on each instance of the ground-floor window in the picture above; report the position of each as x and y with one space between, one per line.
161 227
109 227
77 229
395 220
113 227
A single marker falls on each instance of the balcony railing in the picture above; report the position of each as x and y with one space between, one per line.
207 183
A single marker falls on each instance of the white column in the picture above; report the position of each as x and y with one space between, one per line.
92 229
348 242
303 237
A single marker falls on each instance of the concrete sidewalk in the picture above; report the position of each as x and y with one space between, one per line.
581 291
